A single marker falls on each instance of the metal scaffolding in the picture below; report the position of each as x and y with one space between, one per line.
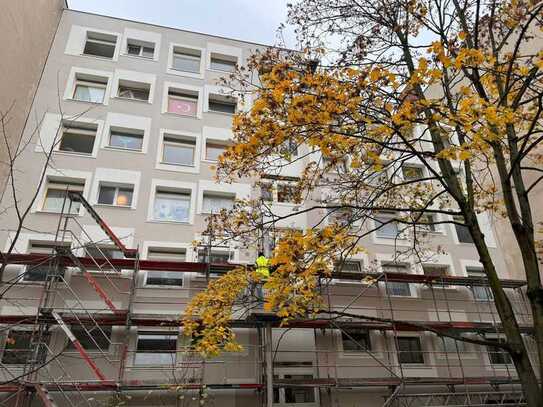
45 374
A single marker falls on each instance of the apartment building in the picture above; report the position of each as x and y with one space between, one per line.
28 27
135 120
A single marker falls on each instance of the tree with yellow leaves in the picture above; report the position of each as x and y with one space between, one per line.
455 88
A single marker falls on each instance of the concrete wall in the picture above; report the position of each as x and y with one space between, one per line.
27 28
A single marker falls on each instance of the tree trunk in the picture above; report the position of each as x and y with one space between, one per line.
518 350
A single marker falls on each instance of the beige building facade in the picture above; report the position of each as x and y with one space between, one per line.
133 120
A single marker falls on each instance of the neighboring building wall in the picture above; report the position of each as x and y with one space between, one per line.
27 28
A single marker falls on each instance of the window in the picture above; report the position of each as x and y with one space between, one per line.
90 90
186 60
214 203
77 139
341 216
222 104
349 266
289 148
17 349
155 348
393 287
410 350
140 49
39 272
100 45
462 231
165 278
126 139
178 151
412 172
294 395
102 252
56 197
171 206
435 270
288 193
223 63
115 195
183 102
91 337
214 150
480 292
134 90
335 164
266 191
498 356
425 222
450 346
216 256
387 227
355 340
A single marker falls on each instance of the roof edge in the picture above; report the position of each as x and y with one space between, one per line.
177 29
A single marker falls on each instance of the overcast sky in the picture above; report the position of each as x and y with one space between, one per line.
250 20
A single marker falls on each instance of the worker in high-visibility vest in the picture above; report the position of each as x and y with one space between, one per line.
263 271
262 266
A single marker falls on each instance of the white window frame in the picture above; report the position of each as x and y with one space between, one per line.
486 355
133 42
211 97
93 351
406 163
239 190
408 264
170 70
135 77
363 260
232 250
129 132
428 362
62 175
175 187
148 245
115 177
5 336
157 332
274 185
219 195
488 292
214 135
136 88
101 32
90 84
224 50
222 57
71 83
125 122
212 90
143 37
282 372
115 196
358 353
182 135
42 240
180 87
400 240
84 122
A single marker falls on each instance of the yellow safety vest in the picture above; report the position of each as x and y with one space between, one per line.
262 267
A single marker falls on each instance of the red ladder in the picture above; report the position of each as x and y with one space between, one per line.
76 196
97 372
